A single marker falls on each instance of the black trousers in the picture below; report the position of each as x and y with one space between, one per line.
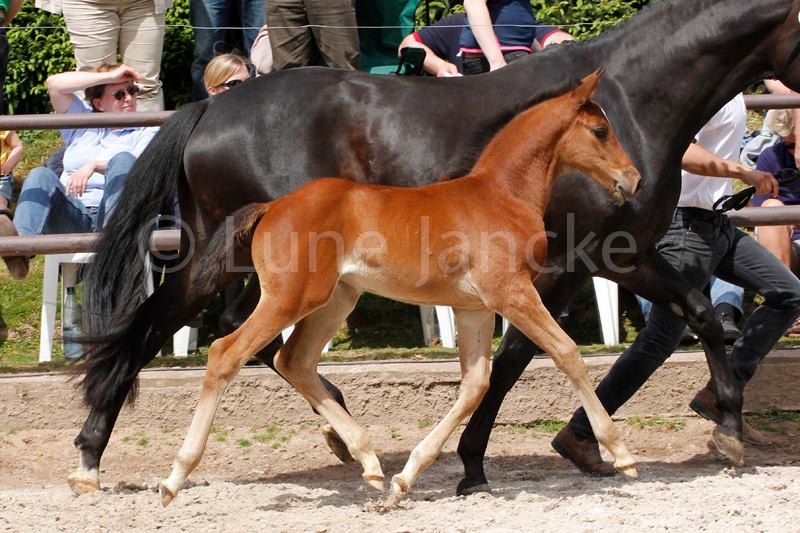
699 244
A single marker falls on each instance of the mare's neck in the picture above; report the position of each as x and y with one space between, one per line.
668 69
520 163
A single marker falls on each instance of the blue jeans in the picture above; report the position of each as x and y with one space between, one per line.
722 292
700 243
44 207
7 187
209 19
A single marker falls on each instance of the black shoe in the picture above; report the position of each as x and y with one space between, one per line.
729 329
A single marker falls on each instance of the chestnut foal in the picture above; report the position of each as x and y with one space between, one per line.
475 243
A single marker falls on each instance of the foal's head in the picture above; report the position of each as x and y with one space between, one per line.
589 145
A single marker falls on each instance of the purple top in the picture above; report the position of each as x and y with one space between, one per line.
773 159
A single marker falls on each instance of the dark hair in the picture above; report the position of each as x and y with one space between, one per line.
96 91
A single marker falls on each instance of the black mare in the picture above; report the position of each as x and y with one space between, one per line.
668 69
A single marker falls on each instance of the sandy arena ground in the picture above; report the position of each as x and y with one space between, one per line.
277 475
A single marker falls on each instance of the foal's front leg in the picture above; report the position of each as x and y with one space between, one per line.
524 308
475 330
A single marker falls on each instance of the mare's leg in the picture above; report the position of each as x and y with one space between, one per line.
510 360
225 358
297 363
523 307
154 321
475 329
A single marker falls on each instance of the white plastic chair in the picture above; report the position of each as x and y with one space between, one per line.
606 294
184 341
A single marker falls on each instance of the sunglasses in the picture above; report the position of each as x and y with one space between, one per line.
229 84
119 95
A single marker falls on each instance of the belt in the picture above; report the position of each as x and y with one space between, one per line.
688 214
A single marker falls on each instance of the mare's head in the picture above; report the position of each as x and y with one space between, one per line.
782 47
589 144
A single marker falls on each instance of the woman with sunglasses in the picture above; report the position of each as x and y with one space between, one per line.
224 72
96 160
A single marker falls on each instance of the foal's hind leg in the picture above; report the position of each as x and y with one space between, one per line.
225 358
475 329
297 363
523 307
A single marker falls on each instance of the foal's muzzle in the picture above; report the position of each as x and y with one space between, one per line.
628 183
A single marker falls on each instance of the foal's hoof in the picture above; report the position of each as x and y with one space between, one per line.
336 444
166 495
82 482
629 471
728 445
376 482
399 486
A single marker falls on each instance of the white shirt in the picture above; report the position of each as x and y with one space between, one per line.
722 136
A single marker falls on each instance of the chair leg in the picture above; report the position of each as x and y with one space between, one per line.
49 303
607 295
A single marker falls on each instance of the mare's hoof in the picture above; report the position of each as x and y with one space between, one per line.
83 482
166 495
468 487
376 482
728 445
629 471
336 444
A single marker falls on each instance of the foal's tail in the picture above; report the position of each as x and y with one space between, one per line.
114 281
233 236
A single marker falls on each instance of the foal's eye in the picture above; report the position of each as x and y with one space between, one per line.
601 133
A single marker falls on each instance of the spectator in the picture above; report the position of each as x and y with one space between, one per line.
783 241
225 72
8 10
441 43
304 31
261 52
499 31
99 31
10 154
700 243
96 160
211 20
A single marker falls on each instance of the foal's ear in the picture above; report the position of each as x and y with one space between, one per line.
585 91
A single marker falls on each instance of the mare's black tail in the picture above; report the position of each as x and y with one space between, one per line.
114 281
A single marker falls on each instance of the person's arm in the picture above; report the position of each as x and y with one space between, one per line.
558 36
61 86
700 161
15 143
433 64
481 24
76 185
13 8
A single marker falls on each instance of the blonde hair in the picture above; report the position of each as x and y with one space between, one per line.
780 122
96 91
221 68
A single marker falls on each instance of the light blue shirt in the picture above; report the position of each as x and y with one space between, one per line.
98 144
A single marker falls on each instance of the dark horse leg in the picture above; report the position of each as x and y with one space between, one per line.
654 279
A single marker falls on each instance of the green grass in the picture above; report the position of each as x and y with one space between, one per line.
544 425
650 422
269 433
775 421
